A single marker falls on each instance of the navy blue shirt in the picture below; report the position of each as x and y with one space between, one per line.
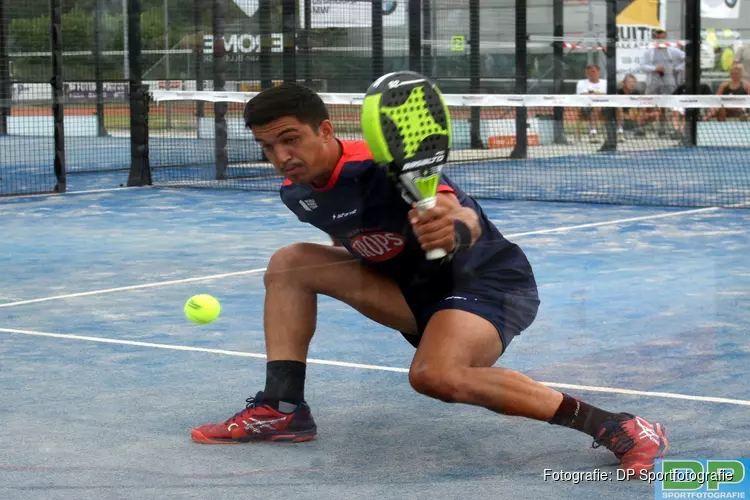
364 210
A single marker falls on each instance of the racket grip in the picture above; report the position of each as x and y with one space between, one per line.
422 205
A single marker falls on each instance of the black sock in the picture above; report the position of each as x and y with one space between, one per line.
581 416
285 381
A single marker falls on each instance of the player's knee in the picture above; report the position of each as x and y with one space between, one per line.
438 383
285 262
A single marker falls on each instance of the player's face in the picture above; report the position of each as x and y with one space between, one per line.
296 150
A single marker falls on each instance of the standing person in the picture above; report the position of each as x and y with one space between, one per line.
663 66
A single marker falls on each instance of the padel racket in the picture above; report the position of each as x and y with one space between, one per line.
406 124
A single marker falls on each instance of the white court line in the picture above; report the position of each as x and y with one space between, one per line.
134 287
259 270
613 222
343 364
68 193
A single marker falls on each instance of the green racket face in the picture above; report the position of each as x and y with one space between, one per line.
406 124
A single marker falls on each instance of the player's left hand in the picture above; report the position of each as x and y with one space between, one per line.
434 227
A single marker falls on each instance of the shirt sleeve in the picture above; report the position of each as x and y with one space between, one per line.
647 61
679 58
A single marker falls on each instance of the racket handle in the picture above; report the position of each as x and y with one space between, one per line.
422 205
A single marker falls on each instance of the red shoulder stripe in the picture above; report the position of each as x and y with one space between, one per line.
350 151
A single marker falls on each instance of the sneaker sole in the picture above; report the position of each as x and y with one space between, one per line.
200 438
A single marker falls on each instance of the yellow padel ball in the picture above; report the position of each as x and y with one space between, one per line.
202 309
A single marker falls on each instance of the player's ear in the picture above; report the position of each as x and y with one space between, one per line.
326 129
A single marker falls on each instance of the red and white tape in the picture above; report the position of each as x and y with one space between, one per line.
626 45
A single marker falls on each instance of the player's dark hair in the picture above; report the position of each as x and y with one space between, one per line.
288 99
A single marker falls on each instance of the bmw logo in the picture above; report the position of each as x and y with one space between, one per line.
390 7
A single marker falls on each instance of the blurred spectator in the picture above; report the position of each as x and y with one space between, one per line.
663 67
592 85
742 55
678 114
736 85
630 118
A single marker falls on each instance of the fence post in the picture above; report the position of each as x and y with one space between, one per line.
475 69
264 18
610 113
98 73
692 66
558 65
220 108
140 170
415 35
58 112
6 91
521 149
378 66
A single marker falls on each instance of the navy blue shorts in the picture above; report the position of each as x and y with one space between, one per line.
510 304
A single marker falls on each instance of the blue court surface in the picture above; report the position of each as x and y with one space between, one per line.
644 310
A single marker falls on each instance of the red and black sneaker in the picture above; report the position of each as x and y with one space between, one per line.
634 441
260 422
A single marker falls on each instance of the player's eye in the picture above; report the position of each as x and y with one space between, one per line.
291 141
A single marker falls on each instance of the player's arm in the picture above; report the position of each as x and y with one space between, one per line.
446 224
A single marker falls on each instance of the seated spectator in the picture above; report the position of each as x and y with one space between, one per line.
736 85
592 84
633 118
678 114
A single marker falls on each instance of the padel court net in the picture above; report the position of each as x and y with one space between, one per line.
598 149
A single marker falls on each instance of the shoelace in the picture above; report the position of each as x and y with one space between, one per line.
251 402
616 439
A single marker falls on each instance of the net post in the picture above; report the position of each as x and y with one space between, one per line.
610 113
5 92
521 148
289 32
558 33
474 72
378 66
305 43
140 170
264 20
58 111
692 66
198 63
220 108
98 72
415 35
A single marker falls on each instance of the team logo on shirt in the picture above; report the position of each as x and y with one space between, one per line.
378 247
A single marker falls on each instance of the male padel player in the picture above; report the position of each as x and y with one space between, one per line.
461 312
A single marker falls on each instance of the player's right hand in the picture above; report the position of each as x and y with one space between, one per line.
434 227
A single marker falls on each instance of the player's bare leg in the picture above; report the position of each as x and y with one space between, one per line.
454 363
297 274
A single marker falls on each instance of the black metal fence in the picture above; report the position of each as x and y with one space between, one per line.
101 58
